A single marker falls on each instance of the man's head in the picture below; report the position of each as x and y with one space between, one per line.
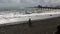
58 27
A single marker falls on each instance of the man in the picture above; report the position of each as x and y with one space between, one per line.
58 30
30 22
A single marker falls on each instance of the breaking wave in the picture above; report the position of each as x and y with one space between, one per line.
19 15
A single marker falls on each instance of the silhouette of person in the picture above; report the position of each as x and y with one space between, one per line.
58 30
50 15
30 22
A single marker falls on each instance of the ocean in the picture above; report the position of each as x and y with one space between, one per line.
17 15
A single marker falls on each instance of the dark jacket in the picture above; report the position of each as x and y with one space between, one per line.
58 32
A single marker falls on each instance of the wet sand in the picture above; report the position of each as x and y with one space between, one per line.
47 26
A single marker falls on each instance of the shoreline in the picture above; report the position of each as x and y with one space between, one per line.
26 22
40 16
48 26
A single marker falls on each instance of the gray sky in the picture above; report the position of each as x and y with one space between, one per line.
25 3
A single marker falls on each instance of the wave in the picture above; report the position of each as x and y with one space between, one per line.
24 15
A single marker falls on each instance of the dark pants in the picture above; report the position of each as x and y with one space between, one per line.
58 32
30 24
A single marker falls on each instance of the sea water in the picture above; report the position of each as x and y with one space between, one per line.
9 16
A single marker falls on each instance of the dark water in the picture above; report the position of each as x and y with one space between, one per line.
7 15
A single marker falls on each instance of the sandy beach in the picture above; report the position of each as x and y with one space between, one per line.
47 26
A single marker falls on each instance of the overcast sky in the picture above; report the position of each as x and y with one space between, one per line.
8 3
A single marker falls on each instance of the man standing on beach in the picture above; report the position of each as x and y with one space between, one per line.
30 24
58 30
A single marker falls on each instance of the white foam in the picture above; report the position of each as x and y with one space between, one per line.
9 18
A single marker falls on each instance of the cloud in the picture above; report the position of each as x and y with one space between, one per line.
28 2
9 1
